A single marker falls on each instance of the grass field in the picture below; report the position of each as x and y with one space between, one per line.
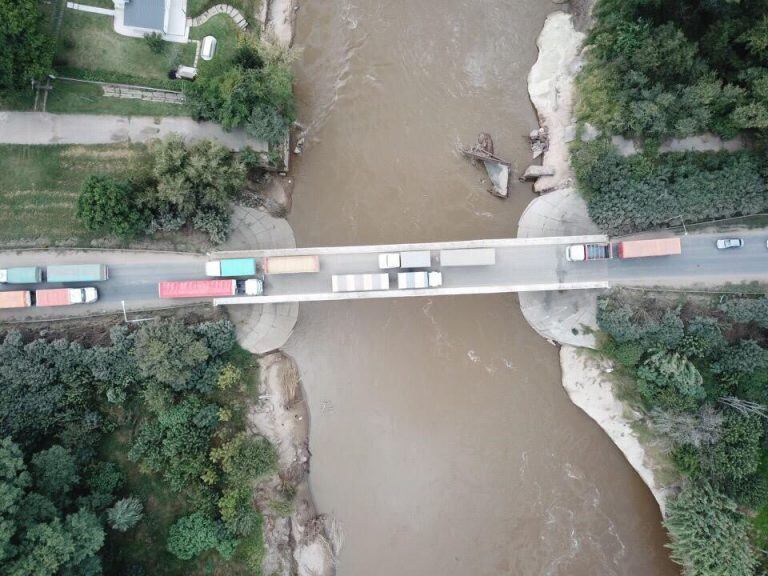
88 41
225 31
39 186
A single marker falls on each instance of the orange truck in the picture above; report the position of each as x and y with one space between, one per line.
625 249
15 299
65 296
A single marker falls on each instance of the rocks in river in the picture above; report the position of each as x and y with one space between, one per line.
539 139
534 172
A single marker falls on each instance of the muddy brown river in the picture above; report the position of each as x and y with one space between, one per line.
442 440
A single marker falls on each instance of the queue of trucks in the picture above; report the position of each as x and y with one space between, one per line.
45 297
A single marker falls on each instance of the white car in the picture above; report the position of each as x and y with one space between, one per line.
725 243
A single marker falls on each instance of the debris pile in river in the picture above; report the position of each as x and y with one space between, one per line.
498 170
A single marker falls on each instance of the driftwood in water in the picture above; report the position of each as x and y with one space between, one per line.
498 170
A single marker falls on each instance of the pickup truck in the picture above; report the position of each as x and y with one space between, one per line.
65 296
422 279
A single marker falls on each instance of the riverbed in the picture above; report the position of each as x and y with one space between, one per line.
442 439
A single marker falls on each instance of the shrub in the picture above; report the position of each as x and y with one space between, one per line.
155 42
107 204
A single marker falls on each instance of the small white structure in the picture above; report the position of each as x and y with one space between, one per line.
208 48
186 72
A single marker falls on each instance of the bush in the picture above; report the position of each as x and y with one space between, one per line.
155 42
109 205
27 44
192 535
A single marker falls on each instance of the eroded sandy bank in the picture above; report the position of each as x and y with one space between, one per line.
584 373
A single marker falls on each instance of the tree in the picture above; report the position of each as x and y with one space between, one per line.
736 455
125 514
27 47
55 473
669 380
107 204
155 42
709 537
168 352
191 535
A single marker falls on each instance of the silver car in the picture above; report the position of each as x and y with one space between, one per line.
725 243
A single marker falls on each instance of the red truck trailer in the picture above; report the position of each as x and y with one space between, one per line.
654 247
197 288
211 288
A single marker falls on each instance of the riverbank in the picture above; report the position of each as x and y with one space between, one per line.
568 319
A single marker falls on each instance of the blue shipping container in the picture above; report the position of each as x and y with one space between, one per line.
238 267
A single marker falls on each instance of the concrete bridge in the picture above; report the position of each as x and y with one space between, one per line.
522 264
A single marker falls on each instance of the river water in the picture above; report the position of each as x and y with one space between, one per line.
442 440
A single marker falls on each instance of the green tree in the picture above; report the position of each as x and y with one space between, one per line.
709 537
168 352
192 535
55 473
155 42
737 453
125 514
107 204
670 380
27 47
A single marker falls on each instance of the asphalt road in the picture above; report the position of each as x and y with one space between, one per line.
519 266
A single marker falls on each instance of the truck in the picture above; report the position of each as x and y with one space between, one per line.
468 257
77 273
66 296
231 267
412 259
15 299
359 282
210 288
580 252
21 275
625 249
290 264
422 279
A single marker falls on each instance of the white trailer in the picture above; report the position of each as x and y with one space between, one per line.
413 259
468 257
423 279
359 282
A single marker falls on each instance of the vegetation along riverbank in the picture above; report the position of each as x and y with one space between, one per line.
656 83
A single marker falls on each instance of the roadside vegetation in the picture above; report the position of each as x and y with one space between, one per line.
698 370
661 69
129 457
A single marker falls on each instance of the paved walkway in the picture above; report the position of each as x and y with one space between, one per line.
92 9
230 11
44 128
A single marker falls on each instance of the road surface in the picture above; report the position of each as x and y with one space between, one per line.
521 265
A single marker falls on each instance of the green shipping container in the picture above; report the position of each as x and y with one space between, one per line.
77 273
24 275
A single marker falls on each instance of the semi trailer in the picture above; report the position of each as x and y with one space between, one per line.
290 264
359 282
210 288
231 267
21 275
412 259
626 249
15 299
468 257
65 296
77 273
422 279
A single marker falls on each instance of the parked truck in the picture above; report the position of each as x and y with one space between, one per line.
15 299
290 264
231 267
77 273
412 259
624 250
468 257
422 279
22 275
359 282
65 296
210 288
